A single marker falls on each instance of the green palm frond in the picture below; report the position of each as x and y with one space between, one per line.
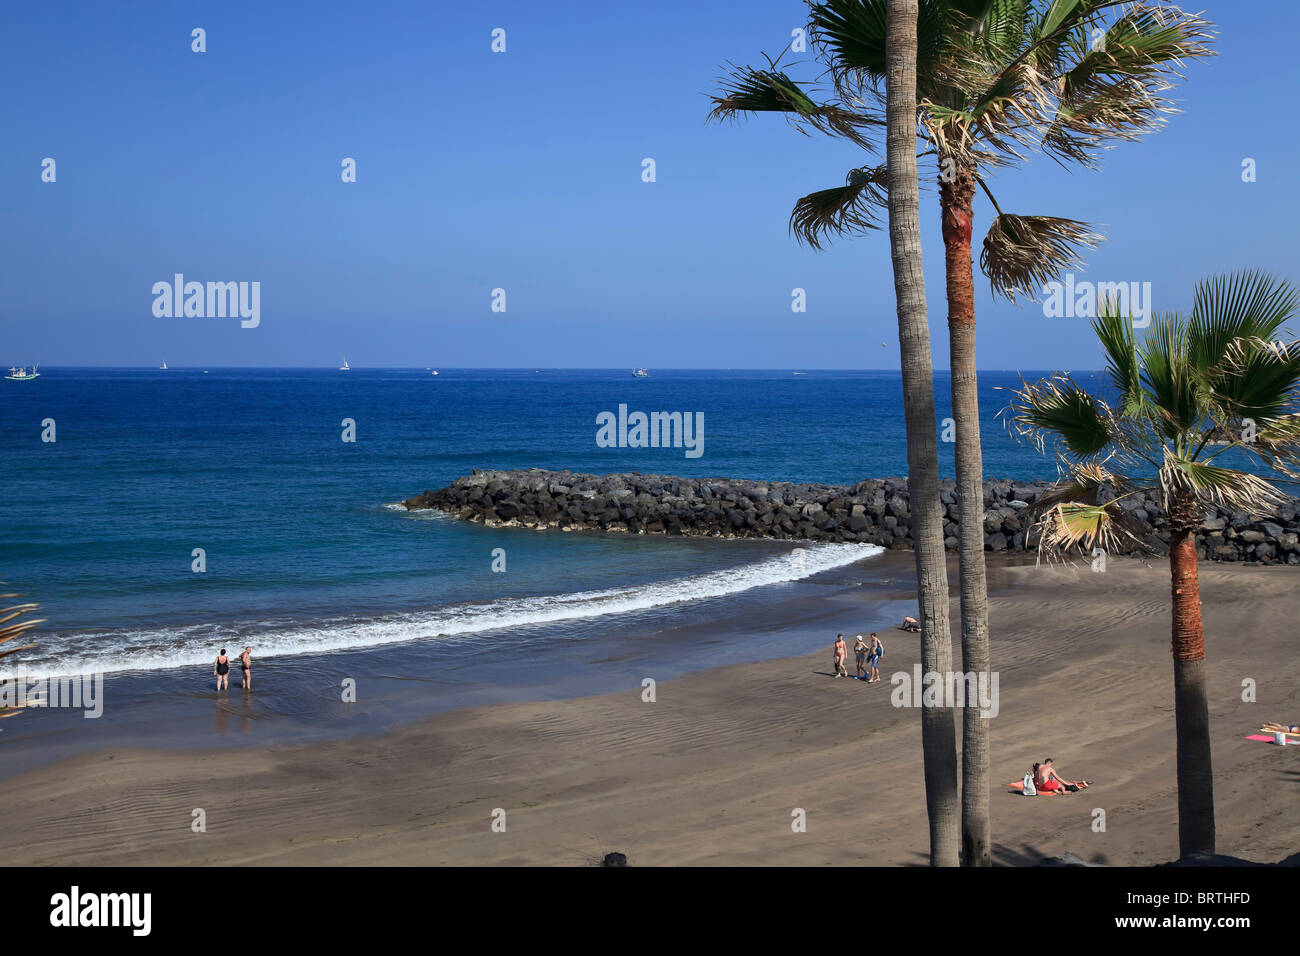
1057 408
1237 305
843 210
747 90
1115 332
1022 254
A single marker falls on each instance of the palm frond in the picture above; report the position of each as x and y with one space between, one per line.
1115 332
1057 408
1210 484
1246 304
746 90
843 210
1022 254
14 623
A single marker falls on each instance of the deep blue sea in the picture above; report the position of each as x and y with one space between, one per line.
309 561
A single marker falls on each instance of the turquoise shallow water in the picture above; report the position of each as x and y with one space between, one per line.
308 561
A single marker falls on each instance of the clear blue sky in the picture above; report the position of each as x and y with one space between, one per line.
522 170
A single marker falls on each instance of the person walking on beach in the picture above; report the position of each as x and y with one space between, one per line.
221 670
246 663
877 652
841 651
860 655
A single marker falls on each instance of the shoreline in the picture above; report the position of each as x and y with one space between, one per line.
710 772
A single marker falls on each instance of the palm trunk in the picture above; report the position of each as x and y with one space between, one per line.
956 192
1191 706
938 739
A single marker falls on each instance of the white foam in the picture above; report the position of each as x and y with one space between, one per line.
194 645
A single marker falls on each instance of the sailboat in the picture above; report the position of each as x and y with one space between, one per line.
22 375
163 366
345 367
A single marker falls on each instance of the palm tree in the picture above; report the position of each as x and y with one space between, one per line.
1193 388
13 624
996 79
937 736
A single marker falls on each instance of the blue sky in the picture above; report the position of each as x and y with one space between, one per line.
522 170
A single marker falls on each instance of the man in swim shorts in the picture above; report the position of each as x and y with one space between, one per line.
877 652
1047 780
246 662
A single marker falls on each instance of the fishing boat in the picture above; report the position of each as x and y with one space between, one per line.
640 373
22 375
345 367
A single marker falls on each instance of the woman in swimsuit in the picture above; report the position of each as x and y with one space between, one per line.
860 654
220 669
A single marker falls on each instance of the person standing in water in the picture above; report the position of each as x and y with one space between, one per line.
246 663
841 651
221 670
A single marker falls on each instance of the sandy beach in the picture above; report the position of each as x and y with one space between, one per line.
711 771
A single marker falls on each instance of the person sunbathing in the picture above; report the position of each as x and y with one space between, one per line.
1281 728
911 624
1047 780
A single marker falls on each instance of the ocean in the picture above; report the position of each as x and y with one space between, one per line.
308 558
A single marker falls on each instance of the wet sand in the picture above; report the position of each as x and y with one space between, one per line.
712 770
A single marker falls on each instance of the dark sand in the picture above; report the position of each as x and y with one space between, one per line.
711 771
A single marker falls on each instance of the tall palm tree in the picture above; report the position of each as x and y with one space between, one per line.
996 79
14 623
938 739
1189 391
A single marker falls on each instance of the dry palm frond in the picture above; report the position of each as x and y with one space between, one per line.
14 623
1023 253
843 210
1181 478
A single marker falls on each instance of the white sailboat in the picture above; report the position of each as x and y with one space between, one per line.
163 366
345 367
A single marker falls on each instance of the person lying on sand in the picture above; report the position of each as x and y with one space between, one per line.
1281 728
911 624
1047 780
841 651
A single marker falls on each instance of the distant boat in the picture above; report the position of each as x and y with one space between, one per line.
801 373
22 374
163 366
435 371
640 373
345 367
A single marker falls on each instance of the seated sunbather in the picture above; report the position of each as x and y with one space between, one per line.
1047 780
911 624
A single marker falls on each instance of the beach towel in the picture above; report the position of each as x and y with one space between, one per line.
1267 738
